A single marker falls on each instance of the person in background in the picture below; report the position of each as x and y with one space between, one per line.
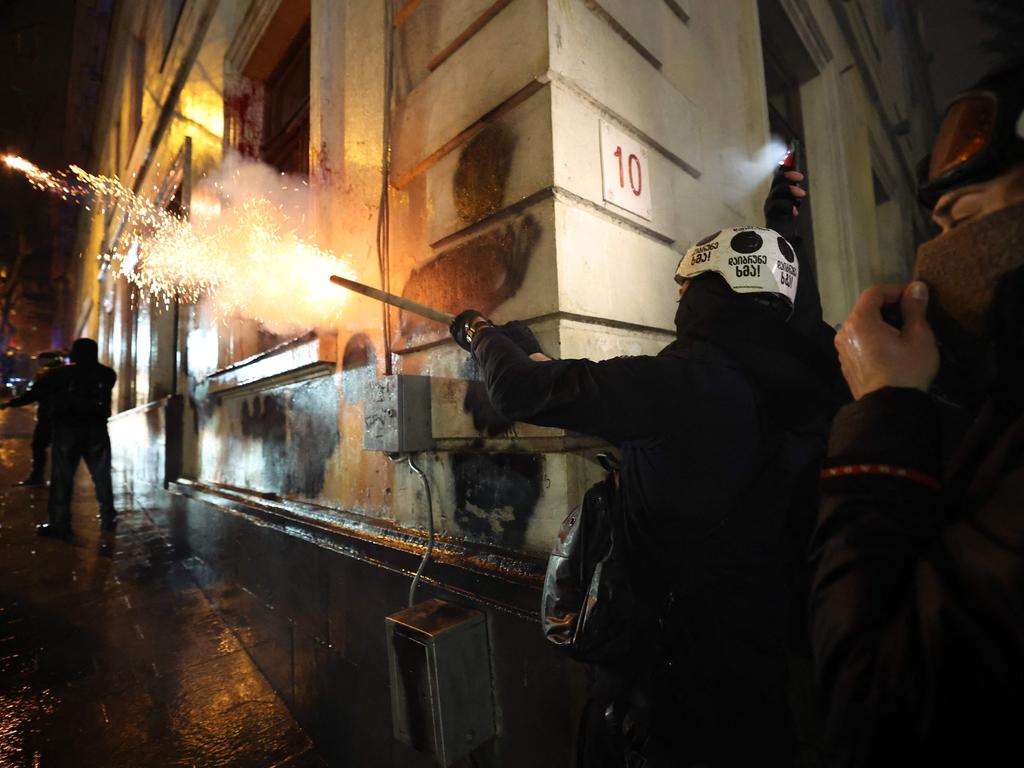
721 435
78 395
918 594
43 432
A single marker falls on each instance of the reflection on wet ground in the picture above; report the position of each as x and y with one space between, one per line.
110 655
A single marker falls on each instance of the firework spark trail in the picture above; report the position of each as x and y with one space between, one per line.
246 256
40 179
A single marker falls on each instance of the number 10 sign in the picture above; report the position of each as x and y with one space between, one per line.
625 171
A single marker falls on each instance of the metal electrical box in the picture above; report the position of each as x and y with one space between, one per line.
441 700
396 415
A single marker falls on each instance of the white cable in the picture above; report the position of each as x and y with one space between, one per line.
430 525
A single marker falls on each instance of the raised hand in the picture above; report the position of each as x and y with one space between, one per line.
874 354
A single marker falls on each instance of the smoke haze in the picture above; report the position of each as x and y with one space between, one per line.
747 174
247 249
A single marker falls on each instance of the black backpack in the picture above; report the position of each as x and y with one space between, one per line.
587 606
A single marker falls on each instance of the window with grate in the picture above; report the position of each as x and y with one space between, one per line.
285 142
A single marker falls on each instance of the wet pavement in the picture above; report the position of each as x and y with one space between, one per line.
110 654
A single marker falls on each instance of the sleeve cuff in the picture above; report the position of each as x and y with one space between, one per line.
893 427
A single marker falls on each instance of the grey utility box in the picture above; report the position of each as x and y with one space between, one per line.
396 415
441 700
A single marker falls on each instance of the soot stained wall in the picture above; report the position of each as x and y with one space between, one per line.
278 440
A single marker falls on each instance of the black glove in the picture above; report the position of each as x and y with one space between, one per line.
781 206
465 324
519 333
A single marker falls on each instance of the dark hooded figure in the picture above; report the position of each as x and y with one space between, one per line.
918 598
721 435
78 395
43 431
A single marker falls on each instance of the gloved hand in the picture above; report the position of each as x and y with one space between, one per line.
465 324
519 333
782 206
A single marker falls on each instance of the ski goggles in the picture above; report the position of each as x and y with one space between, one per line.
981 135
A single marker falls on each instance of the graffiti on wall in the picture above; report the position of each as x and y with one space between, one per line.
296 428
497 494
263 423
487 269
312 435
358 367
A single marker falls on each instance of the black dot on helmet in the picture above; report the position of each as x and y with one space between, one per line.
746 242
787 249
709 238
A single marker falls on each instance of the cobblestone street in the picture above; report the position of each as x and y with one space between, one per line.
110 654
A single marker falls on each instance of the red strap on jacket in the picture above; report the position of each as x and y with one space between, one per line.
848 470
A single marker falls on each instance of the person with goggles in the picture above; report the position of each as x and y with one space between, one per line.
917 603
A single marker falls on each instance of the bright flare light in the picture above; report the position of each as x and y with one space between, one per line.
246 257
38 178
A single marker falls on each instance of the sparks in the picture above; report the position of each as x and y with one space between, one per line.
37 177
244 254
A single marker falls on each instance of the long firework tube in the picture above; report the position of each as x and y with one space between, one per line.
396 301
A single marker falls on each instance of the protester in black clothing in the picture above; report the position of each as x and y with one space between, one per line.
79 404
918 598
721 435
43 432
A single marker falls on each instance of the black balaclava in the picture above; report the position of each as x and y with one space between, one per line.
84 352
779 358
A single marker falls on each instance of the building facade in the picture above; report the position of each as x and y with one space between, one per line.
541 160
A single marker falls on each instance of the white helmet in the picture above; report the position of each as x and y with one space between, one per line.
751 259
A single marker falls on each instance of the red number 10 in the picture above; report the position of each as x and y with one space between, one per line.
636 181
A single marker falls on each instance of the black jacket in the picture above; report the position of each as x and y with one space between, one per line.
77 394
918 598
36 394
721 435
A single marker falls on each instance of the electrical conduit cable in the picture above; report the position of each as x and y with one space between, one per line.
430 526
384 205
